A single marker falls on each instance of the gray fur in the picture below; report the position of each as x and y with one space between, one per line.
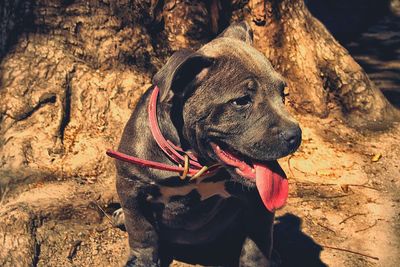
200 92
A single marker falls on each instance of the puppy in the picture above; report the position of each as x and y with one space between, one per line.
223 106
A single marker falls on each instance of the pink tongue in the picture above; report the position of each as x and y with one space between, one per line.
272 187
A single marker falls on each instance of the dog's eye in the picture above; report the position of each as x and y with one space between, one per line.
241 102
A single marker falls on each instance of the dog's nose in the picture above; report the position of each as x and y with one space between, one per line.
293 137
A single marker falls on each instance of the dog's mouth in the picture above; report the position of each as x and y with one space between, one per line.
269 177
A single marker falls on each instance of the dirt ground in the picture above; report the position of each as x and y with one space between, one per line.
341 200
343 207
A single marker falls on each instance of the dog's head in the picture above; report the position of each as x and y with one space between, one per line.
228 103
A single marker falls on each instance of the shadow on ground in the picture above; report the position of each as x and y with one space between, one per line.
292 247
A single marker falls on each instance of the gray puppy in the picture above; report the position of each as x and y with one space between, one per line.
225 104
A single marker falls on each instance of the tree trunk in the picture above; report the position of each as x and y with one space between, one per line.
323 78
72 70
322 75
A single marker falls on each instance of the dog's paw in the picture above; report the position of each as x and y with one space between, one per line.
118 218
140 264
252 256
141 261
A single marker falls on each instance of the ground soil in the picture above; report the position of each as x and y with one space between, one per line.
343 207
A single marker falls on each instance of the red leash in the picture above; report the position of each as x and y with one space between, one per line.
190 163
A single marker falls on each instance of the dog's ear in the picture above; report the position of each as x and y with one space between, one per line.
181 69
241 31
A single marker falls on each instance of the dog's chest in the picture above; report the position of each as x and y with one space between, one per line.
195 212
203 190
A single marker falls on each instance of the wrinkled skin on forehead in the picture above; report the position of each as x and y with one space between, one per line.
256 130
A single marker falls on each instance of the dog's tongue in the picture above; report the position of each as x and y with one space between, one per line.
272 186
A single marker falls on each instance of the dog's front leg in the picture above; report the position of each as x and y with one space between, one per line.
143 241
143 238
257 248
252 256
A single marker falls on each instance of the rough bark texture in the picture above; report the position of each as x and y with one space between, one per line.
71 72
67 87
322 75
66 90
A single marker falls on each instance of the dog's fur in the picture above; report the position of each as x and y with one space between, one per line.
228 93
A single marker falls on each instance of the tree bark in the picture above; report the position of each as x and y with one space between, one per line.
322 75
323 78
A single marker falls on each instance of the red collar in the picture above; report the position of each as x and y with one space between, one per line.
175 153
